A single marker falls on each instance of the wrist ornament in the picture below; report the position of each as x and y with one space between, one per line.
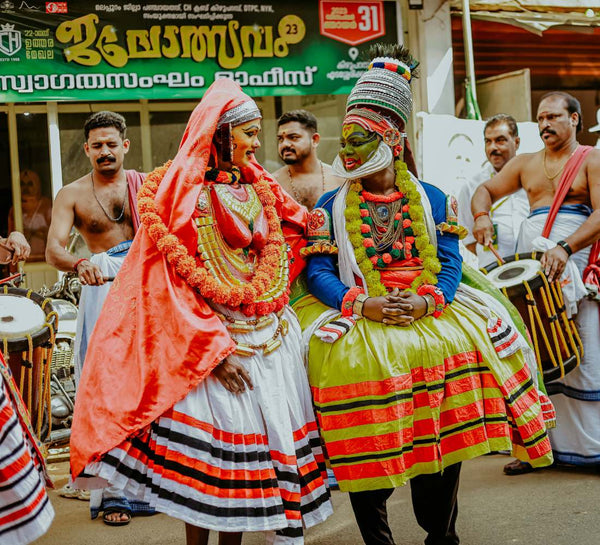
479 214
78 262
348 300
359 303
565 246
436 294
429 304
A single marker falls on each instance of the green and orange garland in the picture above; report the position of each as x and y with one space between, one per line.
359 225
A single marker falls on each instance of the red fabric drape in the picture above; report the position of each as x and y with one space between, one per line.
156 338
135 180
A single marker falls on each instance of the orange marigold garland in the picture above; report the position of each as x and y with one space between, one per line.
243 297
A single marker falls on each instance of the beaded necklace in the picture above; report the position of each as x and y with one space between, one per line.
416 238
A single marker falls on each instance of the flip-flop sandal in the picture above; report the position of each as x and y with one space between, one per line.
121 511
518 467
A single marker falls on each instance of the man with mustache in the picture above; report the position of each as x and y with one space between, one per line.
101 205
304 177
501 137
563 185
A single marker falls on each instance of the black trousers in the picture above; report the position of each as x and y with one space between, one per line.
435 503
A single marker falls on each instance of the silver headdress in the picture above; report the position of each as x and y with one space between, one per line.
246 111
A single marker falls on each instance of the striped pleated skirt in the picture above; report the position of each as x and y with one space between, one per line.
396 402
237 463
25 511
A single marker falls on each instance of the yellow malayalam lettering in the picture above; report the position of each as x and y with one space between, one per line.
229 44
81 33
144 44
113 54
172 49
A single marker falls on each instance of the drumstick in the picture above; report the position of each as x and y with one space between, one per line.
10 278
495 252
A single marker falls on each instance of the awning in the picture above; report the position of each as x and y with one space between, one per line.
536 15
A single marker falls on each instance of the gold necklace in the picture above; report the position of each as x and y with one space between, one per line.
550 178
120 216
247 210
296 195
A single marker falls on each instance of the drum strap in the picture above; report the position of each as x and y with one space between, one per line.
566 181
591 275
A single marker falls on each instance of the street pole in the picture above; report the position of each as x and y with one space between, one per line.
468 46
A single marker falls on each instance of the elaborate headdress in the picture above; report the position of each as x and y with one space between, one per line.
385 86
246 111
381 102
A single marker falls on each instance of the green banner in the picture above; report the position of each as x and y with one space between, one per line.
86 51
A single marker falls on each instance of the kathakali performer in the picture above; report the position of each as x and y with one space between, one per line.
193 395
411 371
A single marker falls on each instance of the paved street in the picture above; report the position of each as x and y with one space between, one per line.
557 506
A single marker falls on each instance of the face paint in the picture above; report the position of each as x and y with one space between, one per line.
245 142
357 146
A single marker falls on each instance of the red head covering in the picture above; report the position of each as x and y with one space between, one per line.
156 338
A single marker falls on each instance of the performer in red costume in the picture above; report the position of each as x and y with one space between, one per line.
194 396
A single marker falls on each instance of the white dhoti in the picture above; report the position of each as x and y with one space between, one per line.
576 397
90 305
92 299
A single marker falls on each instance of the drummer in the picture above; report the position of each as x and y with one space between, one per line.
563 184
102 206
501 138
23 478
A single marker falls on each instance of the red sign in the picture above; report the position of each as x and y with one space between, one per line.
56 7
351 22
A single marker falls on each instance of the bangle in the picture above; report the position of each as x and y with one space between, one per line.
348 300
77 263
359 303
438 296
565 246
479 214
429 303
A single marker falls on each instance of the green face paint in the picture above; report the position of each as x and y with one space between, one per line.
357 146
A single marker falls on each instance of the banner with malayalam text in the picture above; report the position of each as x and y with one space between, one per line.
86 51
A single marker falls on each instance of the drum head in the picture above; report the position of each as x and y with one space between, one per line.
514 273
19 317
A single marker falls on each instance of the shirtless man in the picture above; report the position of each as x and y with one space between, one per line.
101 205
304 177
576 397
96 204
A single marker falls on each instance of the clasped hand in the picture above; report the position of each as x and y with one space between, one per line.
396 308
